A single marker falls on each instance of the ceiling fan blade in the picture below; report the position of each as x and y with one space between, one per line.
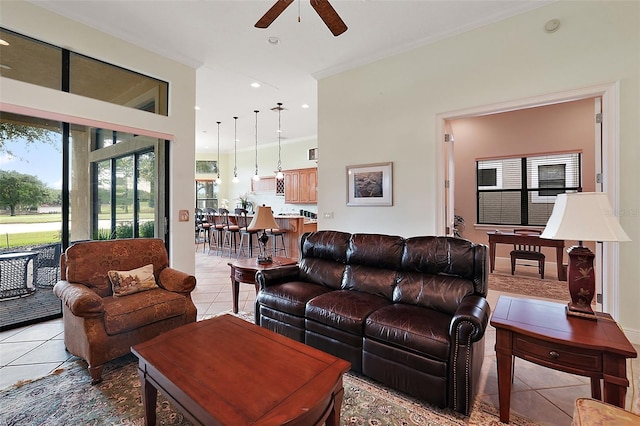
330 17
273 13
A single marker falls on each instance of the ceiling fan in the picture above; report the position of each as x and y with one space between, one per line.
324 9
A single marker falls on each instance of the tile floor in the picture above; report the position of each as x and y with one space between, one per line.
540 394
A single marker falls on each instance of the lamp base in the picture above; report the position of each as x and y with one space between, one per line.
581 281
263 260
580 314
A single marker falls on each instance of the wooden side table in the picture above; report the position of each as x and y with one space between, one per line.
244 271
541 332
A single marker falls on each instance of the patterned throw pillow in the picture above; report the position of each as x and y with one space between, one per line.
134 281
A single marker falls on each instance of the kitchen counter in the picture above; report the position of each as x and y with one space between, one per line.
295 225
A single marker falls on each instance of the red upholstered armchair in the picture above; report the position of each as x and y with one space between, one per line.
99 325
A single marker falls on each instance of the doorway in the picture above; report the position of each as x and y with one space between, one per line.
605 148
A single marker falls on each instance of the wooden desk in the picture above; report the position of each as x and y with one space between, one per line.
542 333
244 271
496 237
227 371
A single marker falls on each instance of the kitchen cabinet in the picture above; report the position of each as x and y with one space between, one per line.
301 186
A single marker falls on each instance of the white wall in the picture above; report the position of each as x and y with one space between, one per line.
386 111
179 126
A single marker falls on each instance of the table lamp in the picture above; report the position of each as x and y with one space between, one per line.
263 220
582 216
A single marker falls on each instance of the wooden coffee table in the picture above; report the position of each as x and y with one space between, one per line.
244 271
541 332
227 371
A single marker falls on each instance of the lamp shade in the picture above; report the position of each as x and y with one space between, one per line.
262 219
583 216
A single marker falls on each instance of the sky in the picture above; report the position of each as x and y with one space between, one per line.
38 159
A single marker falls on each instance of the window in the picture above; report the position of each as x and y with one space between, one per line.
35 62
522 190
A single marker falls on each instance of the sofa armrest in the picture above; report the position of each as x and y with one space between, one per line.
470 320
81 300
177 281
269 277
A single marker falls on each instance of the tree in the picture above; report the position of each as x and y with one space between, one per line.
29 134
18 190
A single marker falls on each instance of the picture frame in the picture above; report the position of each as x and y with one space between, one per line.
370 184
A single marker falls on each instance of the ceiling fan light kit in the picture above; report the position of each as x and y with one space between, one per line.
322 7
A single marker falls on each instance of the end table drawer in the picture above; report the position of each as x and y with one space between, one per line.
557 355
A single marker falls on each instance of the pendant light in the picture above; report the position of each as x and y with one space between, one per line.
256 177
235 151
218 180
279 174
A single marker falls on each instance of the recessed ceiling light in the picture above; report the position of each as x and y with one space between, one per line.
197 108
273 40
305 106
4 42
255 85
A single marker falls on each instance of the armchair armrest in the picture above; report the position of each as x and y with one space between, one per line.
269 277
81 300
470 320
177 281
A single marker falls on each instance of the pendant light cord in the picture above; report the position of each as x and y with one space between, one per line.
279 134
256 175
235 148
218 163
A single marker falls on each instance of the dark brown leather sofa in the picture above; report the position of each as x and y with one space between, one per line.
408 312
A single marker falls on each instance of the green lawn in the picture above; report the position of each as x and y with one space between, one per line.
49 217
29 239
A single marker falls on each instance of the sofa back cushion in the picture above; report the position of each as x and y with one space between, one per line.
380 282
380 251
449 256
89 262
327 245
440 292
324 272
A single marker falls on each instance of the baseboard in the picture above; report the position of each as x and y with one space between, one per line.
632 335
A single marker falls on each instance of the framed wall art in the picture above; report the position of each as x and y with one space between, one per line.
370 185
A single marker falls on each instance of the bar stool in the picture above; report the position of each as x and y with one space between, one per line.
245 233
230 232
216 232
274 234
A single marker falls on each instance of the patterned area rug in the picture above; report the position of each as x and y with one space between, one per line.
549 289
67 397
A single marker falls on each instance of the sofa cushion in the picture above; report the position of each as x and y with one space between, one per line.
380 282
327 245
440 255
344 309
412 328
327 273
290 297
133 281
123 314
441 292
380 251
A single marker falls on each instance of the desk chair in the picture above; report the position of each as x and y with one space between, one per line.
527 252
